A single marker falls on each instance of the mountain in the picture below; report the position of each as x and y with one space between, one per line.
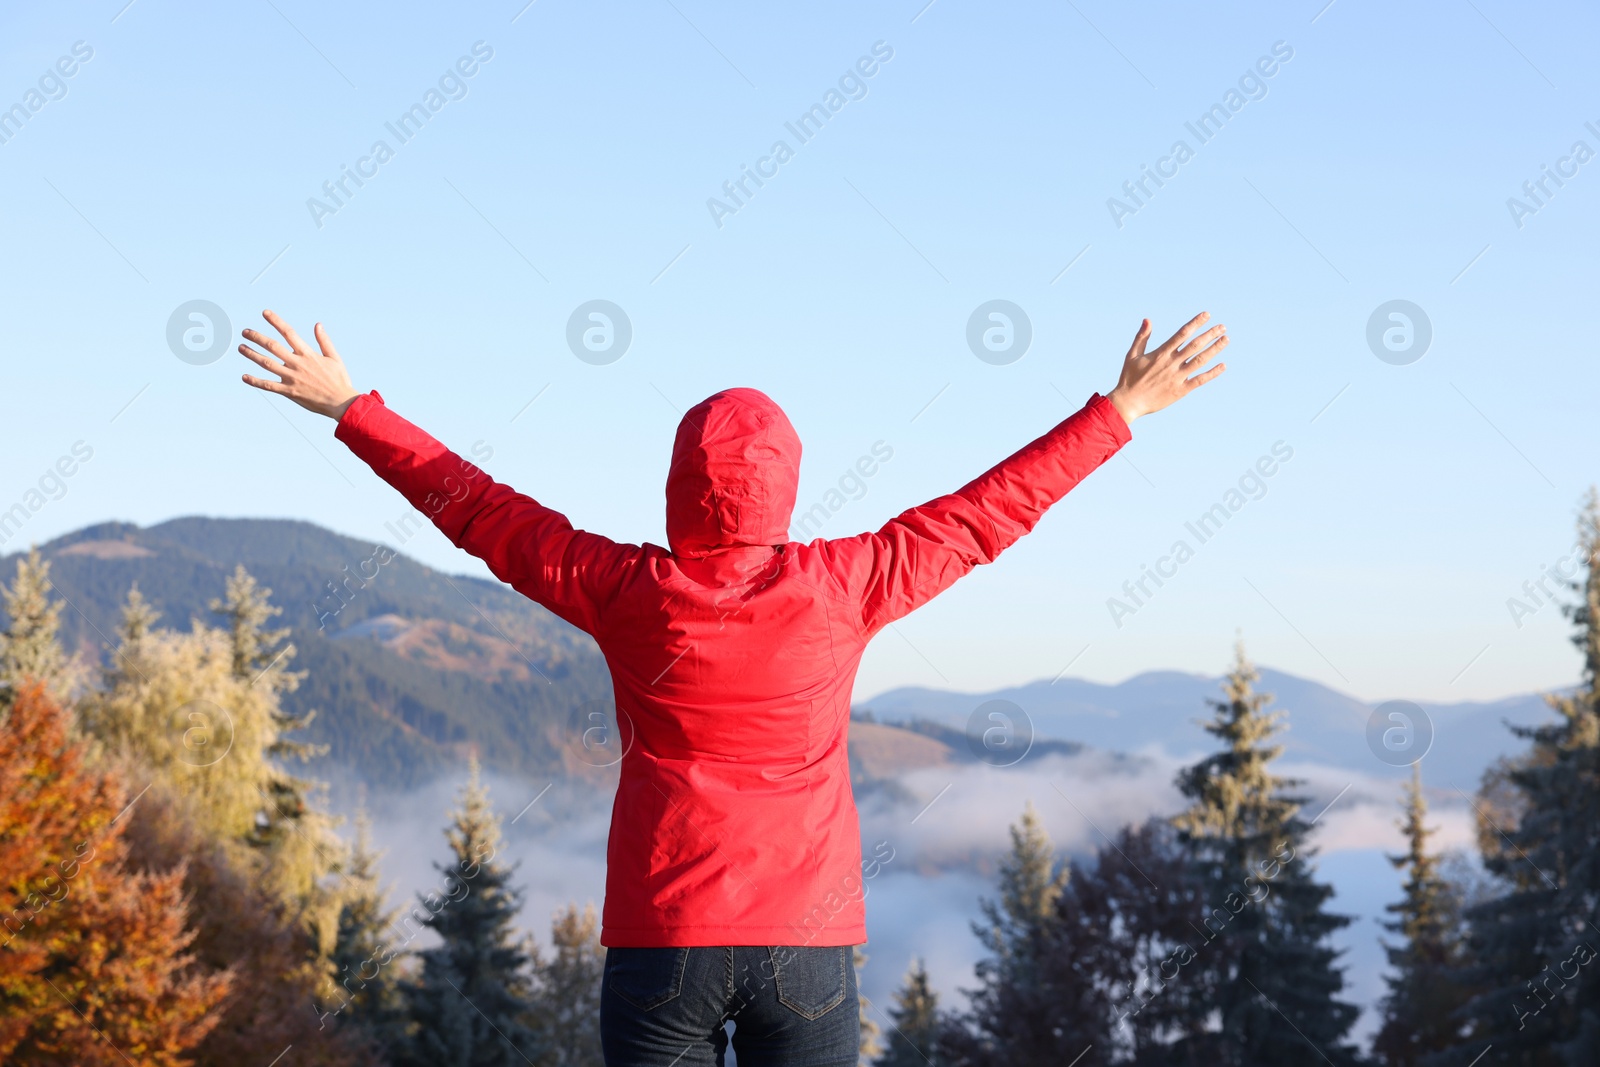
406 667
1161 710
409 668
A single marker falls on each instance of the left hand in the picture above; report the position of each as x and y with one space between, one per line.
317 381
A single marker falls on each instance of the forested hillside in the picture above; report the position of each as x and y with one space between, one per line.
406 667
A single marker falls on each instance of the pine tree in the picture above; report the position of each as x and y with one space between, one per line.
1532 947
1137 943
203 710
171 702
473 1001
1015 1015
259 658
1110 971
248 608
371 997
914 1035
567 1012
1030 882
29 647
1086 968
138 619
173 711
193 714
1273 974
94 966
1424 992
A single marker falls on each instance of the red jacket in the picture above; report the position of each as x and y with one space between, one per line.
733 652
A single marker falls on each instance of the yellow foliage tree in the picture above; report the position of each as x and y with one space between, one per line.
201 711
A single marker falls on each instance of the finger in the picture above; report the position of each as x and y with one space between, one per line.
1200 357
1193 364
1200 379
1207 338
263 384
265 362
1140 338
325 343
288 331
271 344
1186 331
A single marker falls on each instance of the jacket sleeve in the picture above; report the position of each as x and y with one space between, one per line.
530 547
921 552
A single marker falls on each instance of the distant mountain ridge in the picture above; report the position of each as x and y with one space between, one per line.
1162 709
410 668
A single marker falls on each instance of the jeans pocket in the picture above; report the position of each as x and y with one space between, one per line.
645 977
811 981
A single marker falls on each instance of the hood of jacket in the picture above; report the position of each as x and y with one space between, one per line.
735 470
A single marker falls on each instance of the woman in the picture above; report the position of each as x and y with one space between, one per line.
734 869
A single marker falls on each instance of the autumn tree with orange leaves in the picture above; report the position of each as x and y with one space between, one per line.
94 967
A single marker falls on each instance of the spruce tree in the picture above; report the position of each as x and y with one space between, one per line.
189 711
1017 1012
371 997
30 647
121 671
473 1001
169 702
1424 990
1534 946
1129 947
293 832
248 608
259 658
1581 711
567 1014
138 619
1031 880
914 1035
1267 961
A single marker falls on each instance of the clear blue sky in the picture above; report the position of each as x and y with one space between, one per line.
177 162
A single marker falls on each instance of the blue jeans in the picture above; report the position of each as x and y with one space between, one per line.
790 1006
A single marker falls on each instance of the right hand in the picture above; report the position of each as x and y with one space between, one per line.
1152 381
317 381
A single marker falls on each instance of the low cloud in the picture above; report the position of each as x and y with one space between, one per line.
948 828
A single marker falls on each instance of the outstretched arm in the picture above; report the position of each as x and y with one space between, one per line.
531 547
922 552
